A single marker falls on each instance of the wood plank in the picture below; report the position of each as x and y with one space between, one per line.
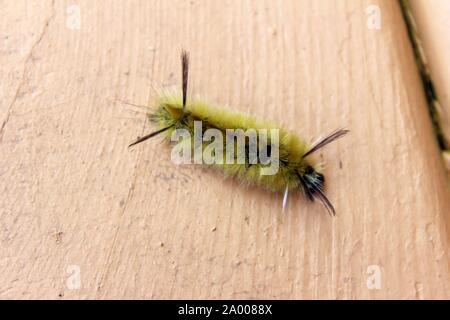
77 204
432 25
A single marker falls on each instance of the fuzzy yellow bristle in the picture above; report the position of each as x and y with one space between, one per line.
222 119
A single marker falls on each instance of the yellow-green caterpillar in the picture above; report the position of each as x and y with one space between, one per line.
295 168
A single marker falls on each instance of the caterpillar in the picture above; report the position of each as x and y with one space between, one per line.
296 170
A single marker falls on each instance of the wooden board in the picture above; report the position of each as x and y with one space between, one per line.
83 216
432 25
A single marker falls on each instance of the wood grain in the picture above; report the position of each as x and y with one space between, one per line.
137 226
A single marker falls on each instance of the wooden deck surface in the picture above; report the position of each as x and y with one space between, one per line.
82 216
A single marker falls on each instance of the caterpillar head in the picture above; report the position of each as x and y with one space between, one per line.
312 181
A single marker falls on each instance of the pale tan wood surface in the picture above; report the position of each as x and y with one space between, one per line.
137 226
